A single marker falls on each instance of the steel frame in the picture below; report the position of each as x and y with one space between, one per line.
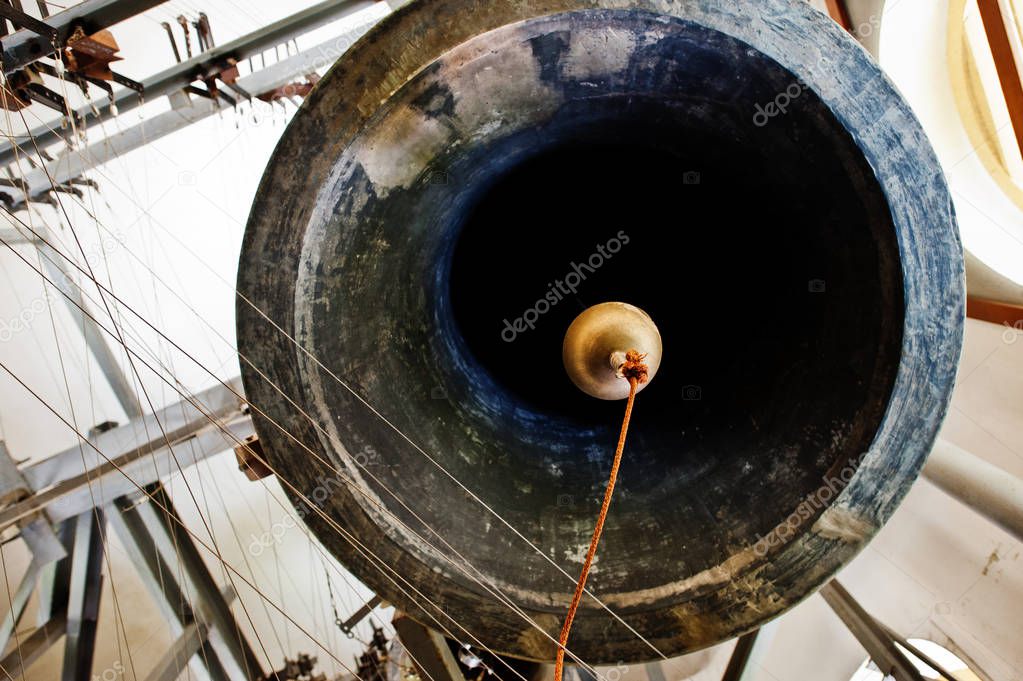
31 43
80 494
205 65
186 109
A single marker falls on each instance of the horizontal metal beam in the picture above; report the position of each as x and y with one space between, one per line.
70 164
203 65
987 489
159 464
68 481
25 46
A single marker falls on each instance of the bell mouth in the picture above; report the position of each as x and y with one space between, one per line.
766 270
718 227
780 256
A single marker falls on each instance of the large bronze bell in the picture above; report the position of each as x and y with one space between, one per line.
469 178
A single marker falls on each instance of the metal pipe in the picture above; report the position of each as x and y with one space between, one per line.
987 489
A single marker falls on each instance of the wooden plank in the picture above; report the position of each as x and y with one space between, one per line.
840 13
1005 64
994 311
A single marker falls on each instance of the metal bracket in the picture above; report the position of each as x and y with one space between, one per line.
347 626
27 21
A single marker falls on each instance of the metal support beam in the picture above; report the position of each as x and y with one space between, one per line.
84 596
984 487
926 659
95 338
70 164
159 575
18 602
42 541
739 661
175 543
27 22
53 584
169 667
208 64
878 644
13 486
25 46
33 646
429 649
193 638
78 475
349 624
744 664
147 469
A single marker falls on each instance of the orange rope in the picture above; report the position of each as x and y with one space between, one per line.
636 372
